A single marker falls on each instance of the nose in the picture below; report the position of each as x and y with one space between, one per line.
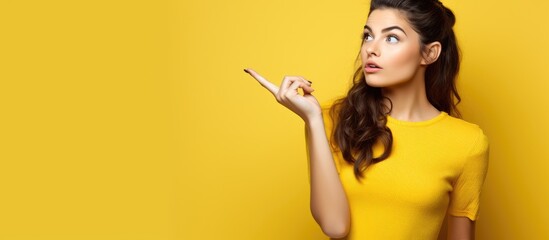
371 48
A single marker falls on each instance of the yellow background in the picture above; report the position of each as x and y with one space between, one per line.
134 119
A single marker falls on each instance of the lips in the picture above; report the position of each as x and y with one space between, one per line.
372 67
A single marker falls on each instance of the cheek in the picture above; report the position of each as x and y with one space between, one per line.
403 57
402 63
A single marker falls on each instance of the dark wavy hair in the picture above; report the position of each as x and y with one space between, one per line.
360 118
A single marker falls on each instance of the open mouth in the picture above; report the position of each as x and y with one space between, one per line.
371 68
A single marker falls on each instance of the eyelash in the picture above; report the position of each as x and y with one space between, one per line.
394 36
365 35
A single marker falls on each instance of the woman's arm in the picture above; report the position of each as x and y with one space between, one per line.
460 228
329 205
328 200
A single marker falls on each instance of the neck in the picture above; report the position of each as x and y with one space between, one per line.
409 100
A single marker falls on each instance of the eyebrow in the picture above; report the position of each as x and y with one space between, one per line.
386 29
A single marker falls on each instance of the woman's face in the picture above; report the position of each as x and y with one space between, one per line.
390 49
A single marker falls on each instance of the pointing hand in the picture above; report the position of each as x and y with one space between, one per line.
305 106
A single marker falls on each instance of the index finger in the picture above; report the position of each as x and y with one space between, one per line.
270 86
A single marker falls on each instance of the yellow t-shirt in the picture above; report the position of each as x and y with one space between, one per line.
436 167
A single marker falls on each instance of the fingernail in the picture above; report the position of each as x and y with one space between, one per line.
246 70
310 82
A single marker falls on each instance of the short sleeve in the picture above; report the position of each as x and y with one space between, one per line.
465 197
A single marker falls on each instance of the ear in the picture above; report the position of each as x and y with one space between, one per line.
431 53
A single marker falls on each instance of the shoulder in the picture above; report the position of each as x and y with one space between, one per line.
468 132
464 128
462 125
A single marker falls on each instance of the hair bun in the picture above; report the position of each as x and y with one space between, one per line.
449 14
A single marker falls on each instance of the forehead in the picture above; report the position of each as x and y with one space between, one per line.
387 17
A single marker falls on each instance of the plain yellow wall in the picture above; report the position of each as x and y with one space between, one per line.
134 119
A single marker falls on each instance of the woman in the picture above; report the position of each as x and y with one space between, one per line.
402 161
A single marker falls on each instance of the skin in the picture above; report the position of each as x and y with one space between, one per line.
403 60
328 201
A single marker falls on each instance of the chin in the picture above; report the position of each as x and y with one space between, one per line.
376 81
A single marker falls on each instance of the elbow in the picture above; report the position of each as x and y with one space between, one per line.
335 223
336 230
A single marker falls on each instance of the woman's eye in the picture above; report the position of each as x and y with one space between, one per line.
367 37
392 39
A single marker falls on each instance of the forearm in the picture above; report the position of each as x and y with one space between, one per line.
329 205
460 228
